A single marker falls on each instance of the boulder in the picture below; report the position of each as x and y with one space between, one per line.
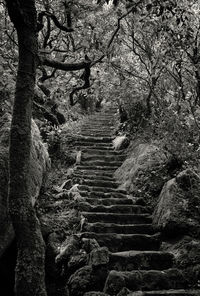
89 244
68 248
178 208
39 165
52 250
87 279
121 142
144 171
99 256
124 292
186 253
77 261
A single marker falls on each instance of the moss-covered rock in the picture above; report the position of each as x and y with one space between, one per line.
87 279
186 251
39 165
144 172
178 208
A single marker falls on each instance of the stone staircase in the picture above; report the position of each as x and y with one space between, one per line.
116 222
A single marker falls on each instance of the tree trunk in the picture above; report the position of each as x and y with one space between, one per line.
29 279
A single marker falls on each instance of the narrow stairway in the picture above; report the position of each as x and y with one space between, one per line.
116 222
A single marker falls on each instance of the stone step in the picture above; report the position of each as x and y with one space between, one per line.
134 260
97 168
93 177
98 124
102 163
124 242
144 280
99 189
109 201
170 292
103 195
99 227
94 173
103 152
96 127
100 183
96 132
105 158
117 218
94 139
93 144
122 209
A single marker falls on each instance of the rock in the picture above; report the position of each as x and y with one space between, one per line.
115 282
69 247
77 261
144 172
87 279
99 256
124 292
78 157
39 165
52 250
121 142
68 184
186 252
178 208
89 244
74 194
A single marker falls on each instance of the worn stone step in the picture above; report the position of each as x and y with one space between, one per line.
104 153
102 163
122 209
98 124
100 194
100 183
96 169
100 227
94 172
88 176
170 292
97 132
144 280
134 260
93 146
109 201
105 158
99 189
116 242
94 139
84 144
117 218
96 127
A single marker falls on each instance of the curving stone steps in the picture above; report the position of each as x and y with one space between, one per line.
117 223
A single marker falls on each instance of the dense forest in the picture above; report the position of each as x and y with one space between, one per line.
99 147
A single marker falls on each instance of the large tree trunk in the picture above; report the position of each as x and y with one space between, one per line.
30 261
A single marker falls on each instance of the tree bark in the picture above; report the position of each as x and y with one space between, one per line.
29 276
